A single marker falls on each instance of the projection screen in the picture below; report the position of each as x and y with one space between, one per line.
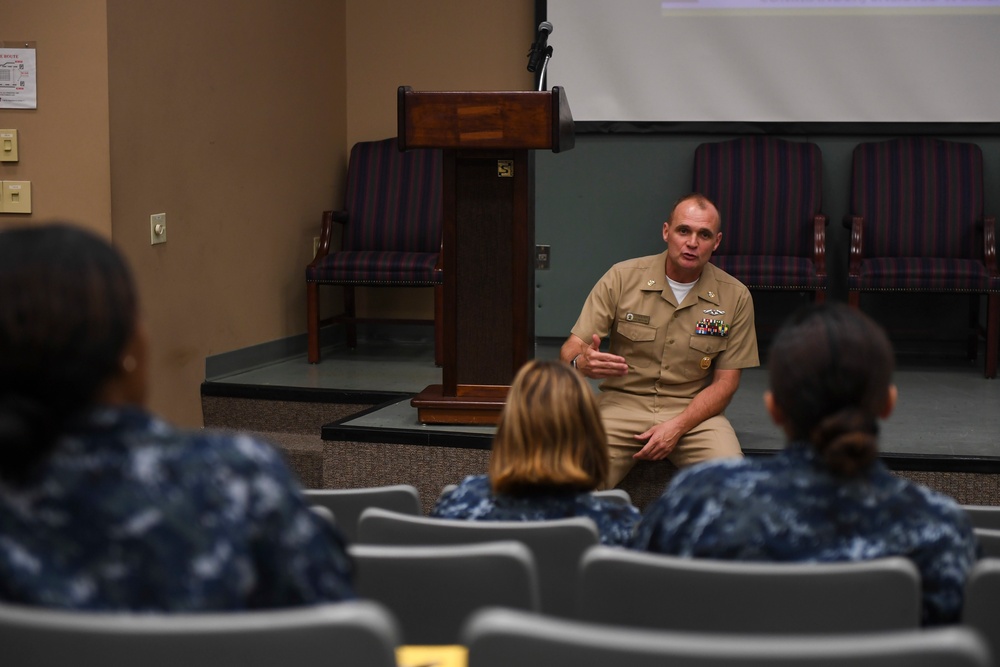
826 61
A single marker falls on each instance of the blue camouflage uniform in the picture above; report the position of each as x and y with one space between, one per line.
790 508
130 513
473 499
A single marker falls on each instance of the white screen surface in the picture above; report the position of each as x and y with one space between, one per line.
929 61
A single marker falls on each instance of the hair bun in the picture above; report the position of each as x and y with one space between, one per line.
847 441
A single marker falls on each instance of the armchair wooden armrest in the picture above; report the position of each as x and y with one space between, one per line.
990 245
326 231
820 222
855 224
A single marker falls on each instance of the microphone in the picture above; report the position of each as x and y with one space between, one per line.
539 46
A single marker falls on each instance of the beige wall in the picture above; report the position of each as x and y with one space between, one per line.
440 45
437 45
232 123
235 119
63 144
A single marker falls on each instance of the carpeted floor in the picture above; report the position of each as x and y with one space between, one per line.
944 433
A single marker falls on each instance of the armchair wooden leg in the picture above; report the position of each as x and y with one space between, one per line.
992 333
854 298
974 327
350 326
312 321
439 325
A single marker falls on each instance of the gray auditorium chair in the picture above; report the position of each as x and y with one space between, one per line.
989 541
983 516
348 504
503 637
324 513
981 609
556 545
642 589
432 590
349 633
620 495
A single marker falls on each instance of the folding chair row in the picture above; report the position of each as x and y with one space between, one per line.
578 578
346 505
350 633
502 637
428 594
365 633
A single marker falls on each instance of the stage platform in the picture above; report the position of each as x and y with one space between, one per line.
945 430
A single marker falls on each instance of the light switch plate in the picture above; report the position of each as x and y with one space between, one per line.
8 145
157 228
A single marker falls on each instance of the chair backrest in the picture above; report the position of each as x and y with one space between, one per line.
983 516
919 197
432 590
989 541
556 545
350 633
767 191
393 198
981 607
616 494
637 589
325 514
503 637
348 504
619 495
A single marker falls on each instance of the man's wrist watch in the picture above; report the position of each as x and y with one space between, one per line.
573 363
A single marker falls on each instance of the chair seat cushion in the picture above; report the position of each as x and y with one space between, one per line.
923 274
771 272
370 267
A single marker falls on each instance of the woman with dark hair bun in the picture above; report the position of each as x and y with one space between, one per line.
103 506
825 496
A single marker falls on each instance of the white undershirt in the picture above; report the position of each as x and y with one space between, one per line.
681 290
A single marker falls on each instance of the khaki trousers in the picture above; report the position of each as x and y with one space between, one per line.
625 416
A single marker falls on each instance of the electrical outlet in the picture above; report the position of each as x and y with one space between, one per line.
157 228
543 257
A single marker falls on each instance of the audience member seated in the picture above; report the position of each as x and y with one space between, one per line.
826 496
549 453
104 506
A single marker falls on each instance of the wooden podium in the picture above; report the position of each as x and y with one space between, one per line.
489 234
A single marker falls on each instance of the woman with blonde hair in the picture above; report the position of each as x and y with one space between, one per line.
549 453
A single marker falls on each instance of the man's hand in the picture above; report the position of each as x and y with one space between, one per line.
660 440
596 364
712 400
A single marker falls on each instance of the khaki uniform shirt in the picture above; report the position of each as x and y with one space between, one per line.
672 349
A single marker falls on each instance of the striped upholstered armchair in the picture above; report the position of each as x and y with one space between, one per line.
769 193
917 225
391 234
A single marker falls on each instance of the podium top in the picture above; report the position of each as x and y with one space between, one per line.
477 120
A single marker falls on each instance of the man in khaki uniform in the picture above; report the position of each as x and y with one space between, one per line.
681 330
